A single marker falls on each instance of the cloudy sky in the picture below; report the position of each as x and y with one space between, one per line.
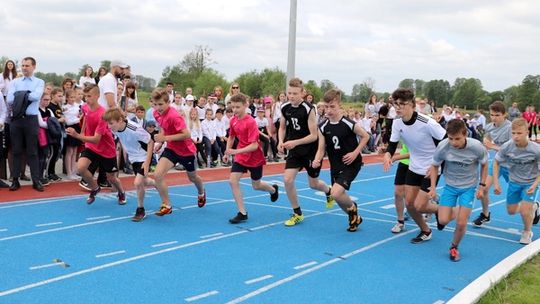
344 41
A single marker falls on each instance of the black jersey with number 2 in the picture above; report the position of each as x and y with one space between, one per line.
340 139
297 126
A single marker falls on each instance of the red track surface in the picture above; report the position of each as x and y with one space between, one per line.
68 188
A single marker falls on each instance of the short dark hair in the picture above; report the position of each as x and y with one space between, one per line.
140 108
220 111
403 94
239 98
498 107
90 87
456 126
331 95
170 83
31 60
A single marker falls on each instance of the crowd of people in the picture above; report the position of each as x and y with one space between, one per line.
97 126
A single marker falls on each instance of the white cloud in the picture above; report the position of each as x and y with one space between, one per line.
344 41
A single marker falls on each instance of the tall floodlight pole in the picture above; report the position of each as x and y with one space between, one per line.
292 42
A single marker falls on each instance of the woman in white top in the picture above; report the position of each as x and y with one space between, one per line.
233 90
369 107
276 112
88 77
194 125
10 72
131 102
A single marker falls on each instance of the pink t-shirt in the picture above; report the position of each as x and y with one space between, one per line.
246 131
96 125
172 123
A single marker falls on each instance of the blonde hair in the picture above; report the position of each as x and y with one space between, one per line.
193 123
519 122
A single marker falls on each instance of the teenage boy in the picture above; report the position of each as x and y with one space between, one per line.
180 149
298 135
248 156
522 157
338 138
498 132
462 156
421 134
139 147
100 150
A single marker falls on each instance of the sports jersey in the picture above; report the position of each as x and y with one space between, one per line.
419 134
96 125
134 140
499 135
461 165
404 150
246 131
172 123
340 139
297 127
522 162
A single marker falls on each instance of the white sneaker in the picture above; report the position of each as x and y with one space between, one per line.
398 227
526 237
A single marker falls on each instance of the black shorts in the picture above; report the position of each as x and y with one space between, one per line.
346 176
297 162
108 165
137 168
401 174
418 180
72 141
256 172
187 161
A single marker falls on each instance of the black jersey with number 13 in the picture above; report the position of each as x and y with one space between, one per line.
340 139
297 127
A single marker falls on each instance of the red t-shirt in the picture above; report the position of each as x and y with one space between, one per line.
246 131
172 123
96 125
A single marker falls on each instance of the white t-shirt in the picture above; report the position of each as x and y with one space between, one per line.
107 84
214 107
135 140
71 113
221 126
208 129
85 79
418 137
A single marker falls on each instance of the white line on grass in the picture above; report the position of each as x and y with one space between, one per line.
201 296
305 265
164 244
315 268
110 254
48 224
266 277
211 235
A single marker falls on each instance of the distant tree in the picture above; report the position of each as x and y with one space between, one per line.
361 92
327 85
106 64
511 95
468 92
250 83
145 83
407 83
528 90
438 91
207 80
272 81
419 87
312 87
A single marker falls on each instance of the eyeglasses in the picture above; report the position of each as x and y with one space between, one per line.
402 104
236 87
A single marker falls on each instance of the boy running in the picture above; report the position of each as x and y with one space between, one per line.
100 150
421 134
298 135
180 149
462 156
247 156
522 157
139 147
338 137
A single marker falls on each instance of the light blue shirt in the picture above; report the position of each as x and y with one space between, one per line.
32 84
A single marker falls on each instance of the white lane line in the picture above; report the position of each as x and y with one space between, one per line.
317 267
131 194
98 218
3 230
164 244
505 230
373 178
201 296
490 205
266 277
110 254
439 302
48 224
305 265
46 265
389 206
211 235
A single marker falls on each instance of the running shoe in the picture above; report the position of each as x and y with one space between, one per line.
329 199
454 254
526 237
354 219
163 210
482 219
139 215
54 178
536 213
422 237
105 184
295 219
92 197
84 185
122 198
274 196
201 200
398 227
238 218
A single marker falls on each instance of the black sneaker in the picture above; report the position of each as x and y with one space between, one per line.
482 219
439 226
422 237
536 213
92 197
84 185
139 215
105 184
25 178
54 178
274 196
45 181
238 218
354 219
